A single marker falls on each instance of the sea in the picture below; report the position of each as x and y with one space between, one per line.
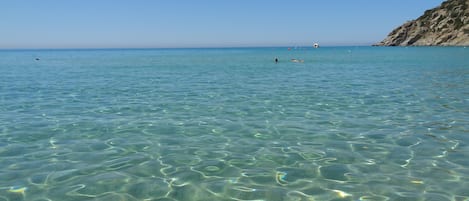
333 124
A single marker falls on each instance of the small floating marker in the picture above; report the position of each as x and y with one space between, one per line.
17 189
280 178
37 59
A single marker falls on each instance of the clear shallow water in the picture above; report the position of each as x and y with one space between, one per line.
350 123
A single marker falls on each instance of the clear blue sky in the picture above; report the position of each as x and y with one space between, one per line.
201 23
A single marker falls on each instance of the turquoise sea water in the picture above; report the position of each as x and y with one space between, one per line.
349 123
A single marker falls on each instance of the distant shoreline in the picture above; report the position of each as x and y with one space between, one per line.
196 48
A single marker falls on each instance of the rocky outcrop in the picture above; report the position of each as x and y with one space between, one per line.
446 25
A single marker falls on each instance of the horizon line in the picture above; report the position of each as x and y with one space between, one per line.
182 47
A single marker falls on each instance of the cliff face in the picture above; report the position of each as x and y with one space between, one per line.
446 25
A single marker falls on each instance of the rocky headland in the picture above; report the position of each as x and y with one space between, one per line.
445 25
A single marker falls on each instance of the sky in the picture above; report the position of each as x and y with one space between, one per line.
201 23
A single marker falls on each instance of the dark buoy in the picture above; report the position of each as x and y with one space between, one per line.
37 59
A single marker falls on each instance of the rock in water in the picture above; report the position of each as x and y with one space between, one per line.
446 25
